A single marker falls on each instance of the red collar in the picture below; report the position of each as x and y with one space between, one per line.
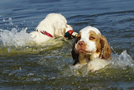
46 33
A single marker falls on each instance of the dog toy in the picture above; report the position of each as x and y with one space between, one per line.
68 34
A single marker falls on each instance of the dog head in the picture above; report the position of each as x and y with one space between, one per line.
91 43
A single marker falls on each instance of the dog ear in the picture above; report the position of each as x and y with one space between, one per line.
75 54
105 48
59 29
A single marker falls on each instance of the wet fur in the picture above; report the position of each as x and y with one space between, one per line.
103 50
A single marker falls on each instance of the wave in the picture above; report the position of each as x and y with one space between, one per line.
118 64
20 42
14 38
16 41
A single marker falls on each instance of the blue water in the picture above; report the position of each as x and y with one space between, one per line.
24 66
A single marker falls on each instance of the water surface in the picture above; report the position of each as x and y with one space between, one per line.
47 66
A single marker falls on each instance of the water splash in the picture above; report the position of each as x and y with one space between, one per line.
20 42
118 64
14 38
10 21
123 60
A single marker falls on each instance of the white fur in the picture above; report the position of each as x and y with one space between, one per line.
39 37
55 24
94 65
90 45
90 28
97 64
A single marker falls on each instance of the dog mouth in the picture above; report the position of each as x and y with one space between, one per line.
81 51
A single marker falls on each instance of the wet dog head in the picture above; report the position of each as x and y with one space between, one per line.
91 44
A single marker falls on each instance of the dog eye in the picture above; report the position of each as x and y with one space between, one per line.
91 38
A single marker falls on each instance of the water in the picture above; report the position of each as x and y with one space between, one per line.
24 65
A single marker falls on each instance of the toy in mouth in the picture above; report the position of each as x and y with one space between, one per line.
70 34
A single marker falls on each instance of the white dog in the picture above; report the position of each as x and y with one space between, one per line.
54 25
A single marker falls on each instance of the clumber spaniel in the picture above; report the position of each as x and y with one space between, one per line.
90 45
54 25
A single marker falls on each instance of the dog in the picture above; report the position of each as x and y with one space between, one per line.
90 45
54 25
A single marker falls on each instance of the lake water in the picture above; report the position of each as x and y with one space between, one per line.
49 66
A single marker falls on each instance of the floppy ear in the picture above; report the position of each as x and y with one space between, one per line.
75 54
59 29
105 48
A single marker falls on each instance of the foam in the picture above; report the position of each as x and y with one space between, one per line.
123 60
14 38
117 62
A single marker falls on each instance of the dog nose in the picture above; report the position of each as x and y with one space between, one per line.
81 43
